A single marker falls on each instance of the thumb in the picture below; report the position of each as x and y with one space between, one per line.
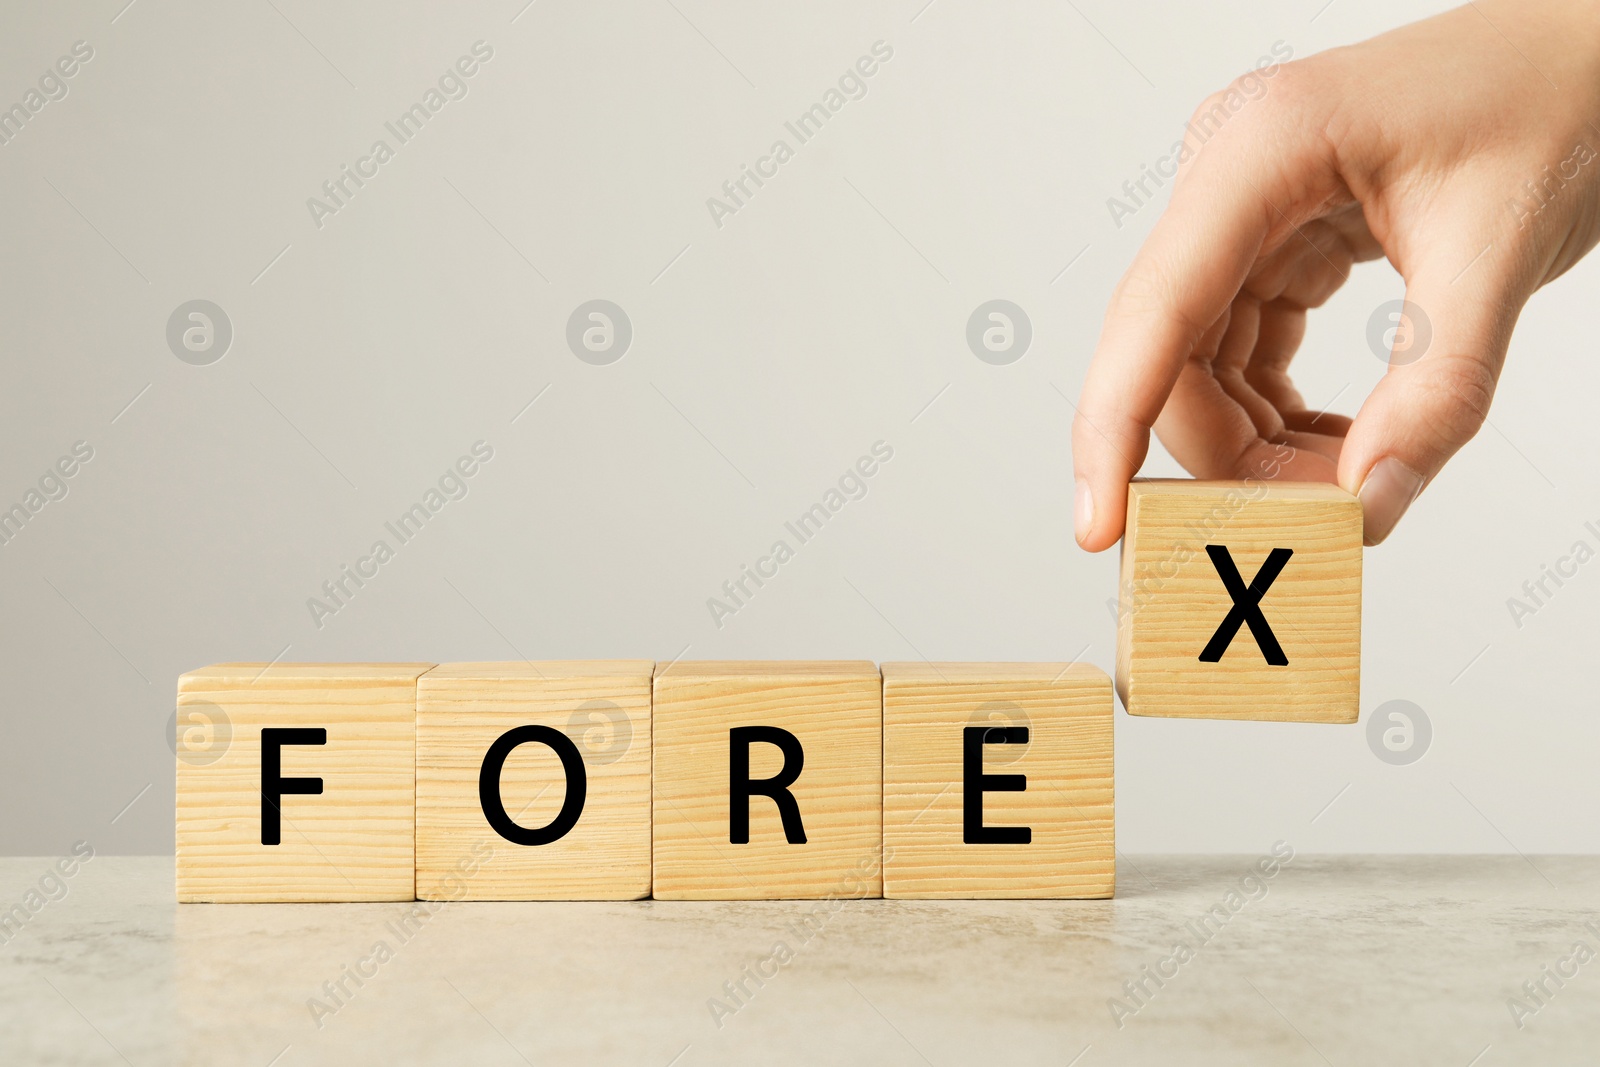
1446 343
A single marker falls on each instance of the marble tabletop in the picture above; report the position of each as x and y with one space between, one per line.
1200 960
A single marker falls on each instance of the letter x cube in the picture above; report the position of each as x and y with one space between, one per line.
1240 600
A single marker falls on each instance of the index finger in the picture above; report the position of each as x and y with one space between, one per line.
1183 279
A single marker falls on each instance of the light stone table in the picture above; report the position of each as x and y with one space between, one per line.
1334 960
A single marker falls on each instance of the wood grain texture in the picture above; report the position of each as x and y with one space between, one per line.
1068 803
835 710
603 706
1172 600
352 842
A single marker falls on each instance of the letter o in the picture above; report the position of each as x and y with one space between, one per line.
494 808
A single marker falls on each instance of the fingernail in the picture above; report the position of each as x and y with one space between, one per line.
1083 511
1390 488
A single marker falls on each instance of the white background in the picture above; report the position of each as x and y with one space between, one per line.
768 354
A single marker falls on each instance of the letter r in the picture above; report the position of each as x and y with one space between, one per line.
741 788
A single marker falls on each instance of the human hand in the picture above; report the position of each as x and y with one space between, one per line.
1465 149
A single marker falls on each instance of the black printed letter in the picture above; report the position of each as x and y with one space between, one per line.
1246 605
975 783
494 808
273 784
741 788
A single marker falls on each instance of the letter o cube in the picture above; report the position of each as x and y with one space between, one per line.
569 780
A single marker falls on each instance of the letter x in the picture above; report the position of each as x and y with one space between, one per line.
1246 605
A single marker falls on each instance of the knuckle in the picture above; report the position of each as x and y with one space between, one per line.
1296 87
1261 100
1212 108
1154 292
1468 385
1140 292
1116 431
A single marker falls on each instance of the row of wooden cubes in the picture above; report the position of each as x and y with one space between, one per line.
621 780
614 779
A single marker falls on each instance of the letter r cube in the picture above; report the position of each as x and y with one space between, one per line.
731 804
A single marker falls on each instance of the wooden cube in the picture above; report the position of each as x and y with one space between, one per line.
533 781
997 781
767 780
1241 600
295 781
